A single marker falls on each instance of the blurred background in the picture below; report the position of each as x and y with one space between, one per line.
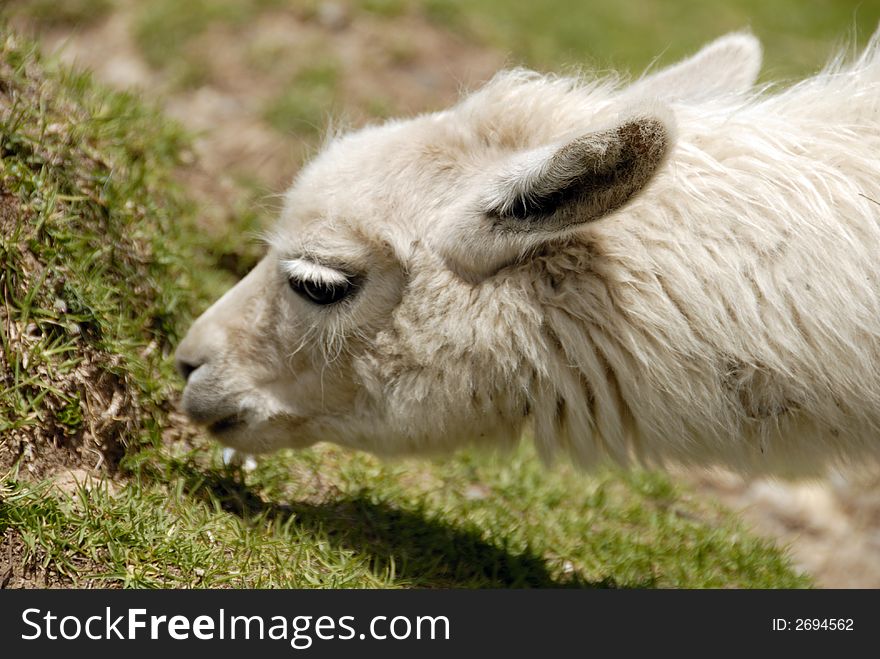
258 81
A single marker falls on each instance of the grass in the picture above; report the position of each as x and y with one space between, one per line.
798 36
93 276
164 27
325 518
101 268
307 101
69 12
625 35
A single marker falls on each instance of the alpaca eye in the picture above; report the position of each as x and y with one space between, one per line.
320 292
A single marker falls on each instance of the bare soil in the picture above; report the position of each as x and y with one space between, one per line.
831 527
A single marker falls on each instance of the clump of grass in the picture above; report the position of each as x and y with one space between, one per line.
164 29
449 14
94 274
385 8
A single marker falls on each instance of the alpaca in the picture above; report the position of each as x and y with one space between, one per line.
678 270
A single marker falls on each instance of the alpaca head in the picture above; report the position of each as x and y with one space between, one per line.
399 305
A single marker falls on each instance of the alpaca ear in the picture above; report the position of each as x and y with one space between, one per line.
557 187
727 65
548 192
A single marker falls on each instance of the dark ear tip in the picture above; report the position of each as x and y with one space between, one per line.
588 177
647 136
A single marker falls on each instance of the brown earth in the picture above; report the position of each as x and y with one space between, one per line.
831 527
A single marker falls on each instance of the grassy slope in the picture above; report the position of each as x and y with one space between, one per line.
88 267
90 220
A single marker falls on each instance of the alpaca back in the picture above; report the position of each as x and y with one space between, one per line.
732 312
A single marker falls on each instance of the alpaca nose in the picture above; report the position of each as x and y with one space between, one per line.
191 355
185 368
207 341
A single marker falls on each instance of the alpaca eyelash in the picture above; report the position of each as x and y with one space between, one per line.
304 270
316 283
321 293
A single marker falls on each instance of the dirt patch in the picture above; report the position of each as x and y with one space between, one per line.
47 445
8 213
73 480
18 570
831 527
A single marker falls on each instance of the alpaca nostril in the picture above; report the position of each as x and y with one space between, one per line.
192 353
186 368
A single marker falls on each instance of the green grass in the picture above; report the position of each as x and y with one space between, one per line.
325 518
165 28
306 104
94 275
798 35
101 268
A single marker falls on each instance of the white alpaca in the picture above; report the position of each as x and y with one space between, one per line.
681 269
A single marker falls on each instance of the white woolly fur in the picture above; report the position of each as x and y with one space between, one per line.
727 311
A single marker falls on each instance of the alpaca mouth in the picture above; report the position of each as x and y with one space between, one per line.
225 424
